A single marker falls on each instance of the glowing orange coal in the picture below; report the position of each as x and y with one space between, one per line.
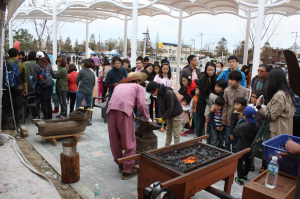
190 159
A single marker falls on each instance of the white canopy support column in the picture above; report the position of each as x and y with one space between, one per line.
246 47
134 32
178 57
258 35
125 38
2 14
54 44
10 32
87 54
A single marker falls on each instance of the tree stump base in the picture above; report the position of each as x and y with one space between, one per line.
146 144
70 169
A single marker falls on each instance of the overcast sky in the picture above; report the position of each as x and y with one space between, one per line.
213 28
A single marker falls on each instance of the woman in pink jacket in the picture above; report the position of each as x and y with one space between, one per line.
164 77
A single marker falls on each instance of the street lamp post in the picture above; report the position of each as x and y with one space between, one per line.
145 44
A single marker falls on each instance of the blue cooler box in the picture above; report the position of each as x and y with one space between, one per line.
288 163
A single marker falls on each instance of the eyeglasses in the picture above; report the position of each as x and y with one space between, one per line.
231 62
260 71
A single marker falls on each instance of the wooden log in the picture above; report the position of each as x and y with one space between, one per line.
70 170
34 121
61 128
56 121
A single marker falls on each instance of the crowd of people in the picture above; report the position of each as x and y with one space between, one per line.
214 102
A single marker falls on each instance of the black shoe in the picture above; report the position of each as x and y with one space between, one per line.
126 176
239 181
121 170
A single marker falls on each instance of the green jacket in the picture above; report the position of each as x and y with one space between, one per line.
29 68
22 72
62 80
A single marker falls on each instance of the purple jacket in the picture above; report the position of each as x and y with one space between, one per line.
126 96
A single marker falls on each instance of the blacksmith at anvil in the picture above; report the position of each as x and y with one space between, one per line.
125 97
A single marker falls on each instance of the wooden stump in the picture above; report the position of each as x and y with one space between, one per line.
70 169
24 131
147 144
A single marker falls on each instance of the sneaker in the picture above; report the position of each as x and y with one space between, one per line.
183 134
190 131
61 117
245 177
262 170
162 129
121 170
239 181
58 116
132 174
89 124
252 168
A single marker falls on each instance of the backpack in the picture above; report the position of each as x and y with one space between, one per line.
45 78
258 149
11 75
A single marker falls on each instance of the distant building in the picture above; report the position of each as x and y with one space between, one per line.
169 50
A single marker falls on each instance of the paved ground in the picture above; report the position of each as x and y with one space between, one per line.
97 165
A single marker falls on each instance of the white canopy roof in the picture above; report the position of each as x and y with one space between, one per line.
103 9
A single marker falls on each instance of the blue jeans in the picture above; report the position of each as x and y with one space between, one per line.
227 138
80 96
217 136
234 142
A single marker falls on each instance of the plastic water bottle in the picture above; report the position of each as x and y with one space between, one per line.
97 192
272 173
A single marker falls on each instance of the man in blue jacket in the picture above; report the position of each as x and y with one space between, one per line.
233 62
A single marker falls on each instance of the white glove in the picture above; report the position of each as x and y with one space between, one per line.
149 121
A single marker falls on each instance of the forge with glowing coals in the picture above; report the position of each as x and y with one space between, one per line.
185 169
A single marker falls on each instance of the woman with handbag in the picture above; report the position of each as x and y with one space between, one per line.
72 86
281 107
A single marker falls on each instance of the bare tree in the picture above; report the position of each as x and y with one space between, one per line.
271 28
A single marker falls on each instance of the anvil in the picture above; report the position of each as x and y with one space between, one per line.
145 129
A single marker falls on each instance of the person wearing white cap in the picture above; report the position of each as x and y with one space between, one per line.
43 94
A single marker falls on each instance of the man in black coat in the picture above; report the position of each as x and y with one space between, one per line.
169 108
